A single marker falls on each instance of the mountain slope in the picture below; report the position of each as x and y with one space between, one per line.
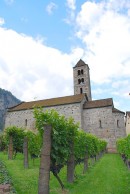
7 99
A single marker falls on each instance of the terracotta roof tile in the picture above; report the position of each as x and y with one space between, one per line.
98 103
115 110
48 102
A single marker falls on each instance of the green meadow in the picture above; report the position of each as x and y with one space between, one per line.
109 175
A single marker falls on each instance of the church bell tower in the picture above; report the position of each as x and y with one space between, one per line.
82 79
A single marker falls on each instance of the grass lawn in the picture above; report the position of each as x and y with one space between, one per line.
107 176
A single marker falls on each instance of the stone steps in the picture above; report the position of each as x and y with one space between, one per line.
5 189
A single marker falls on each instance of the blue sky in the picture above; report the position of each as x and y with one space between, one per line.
40 42
41 18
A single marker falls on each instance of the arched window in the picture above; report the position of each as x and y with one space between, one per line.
82 71
78 72
79 81
82 80
100 123
81 90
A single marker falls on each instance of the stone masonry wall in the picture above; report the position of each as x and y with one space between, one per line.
26 119
18 119
119 124
99 121
127 124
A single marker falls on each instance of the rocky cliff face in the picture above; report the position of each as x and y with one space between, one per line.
6 100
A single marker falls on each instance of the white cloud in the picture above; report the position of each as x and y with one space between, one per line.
71 4
2 21
120 84
105 30
128 12
120 89
9 2
30 69
98 91
118 5
51 7
71 7
117 104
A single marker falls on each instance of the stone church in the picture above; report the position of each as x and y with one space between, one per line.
98 117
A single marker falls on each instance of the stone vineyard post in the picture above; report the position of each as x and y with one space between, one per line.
44 171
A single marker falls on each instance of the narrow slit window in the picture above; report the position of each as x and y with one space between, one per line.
100 123
26 122
117 123
81 90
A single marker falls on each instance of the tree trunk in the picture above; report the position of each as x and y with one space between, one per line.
97 157
10 148
59 180
71 165
128 163
25 152
44 171
85 163
0 144
93 160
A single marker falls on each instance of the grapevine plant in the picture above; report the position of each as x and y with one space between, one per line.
66 139
123 147
64 133
18 134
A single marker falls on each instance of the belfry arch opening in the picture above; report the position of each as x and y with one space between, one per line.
82 80
78 72
79 81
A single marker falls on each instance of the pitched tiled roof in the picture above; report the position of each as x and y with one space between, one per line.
80 63
98 103
128 113
115 110
48 102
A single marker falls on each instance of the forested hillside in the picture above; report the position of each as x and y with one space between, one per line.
6 100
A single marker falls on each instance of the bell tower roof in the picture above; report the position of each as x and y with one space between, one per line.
80 63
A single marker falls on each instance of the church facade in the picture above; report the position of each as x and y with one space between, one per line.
98 117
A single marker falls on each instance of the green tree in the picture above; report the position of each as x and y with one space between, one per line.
17 137
60 145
